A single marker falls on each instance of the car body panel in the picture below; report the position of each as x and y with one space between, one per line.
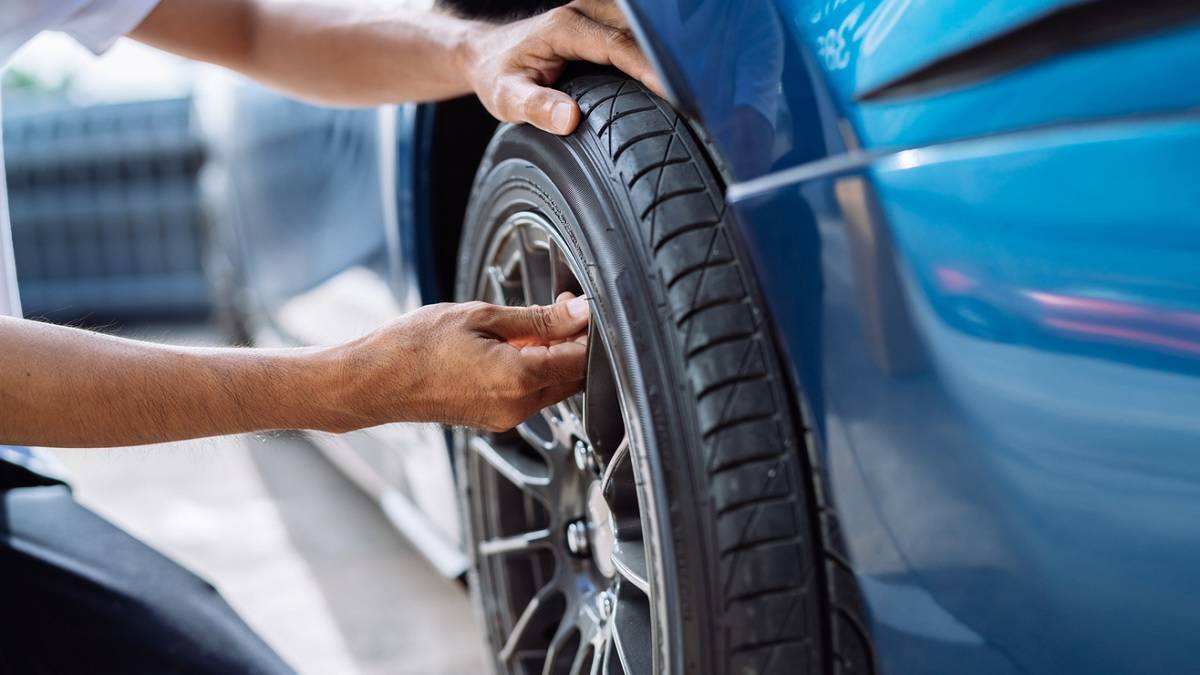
1014 457
777 56
1152 74
882 40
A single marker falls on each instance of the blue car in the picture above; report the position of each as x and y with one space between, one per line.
895 357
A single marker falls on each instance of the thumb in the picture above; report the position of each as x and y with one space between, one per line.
543 324
545 108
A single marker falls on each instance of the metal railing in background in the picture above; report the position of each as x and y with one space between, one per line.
106 213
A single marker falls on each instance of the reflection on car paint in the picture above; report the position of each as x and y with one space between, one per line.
1036 476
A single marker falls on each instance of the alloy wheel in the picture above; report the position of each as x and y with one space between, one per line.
555 508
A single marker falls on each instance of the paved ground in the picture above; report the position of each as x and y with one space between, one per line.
306 558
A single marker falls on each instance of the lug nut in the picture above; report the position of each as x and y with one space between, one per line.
583 456
606 605
577 538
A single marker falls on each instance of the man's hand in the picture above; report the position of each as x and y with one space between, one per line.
511 67
474 364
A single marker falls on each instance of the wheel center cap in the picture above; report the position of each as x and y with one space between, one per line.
601 530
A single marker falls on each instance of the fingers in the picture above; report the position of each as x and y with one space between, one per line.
606 12
552 373
545 397
521 99
551 395
512 65
522 358
556 364
543 324
540 376
566 296
578 35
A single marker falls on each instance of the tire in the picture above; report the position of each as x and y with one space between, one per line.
736 563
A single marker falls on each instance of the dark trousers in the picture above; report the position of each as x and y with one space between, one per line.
78 595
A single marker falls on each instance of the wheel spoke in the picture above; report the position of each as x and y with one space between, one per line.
543 444
581 619
606 659
520 542
582 661
629 557
559 433
526 270
614 462
522 623
632 635
551 422
570 421
560 272
495 277
562 636
523 472
537 271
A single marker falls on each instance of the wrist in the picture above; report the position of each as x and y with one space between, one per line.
330 396
464 48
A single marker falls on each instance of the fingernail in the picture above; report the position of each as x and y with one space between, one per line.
578 307
560 116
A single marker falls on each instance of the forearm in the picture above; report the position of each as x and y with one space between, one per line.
319 49
448 364
332 53
68 387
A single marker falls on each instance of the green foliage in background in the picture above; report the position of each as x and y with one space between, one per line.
21 84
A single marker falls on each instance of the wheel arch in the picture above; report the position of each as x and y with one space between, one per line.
450 139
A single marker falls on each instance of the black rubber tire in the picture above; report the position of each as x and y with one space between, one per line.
637 201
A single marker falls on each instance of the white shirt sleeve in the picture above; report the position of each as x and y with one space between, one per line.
96 24
10 301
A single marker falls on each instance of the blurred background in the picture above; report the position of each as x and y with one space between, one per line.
104 163
103 160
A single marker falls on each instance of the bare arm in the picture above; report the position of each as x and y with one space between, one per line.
473 364
359 55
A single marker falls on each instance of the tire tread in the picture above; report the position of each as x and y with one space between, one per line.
780 614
